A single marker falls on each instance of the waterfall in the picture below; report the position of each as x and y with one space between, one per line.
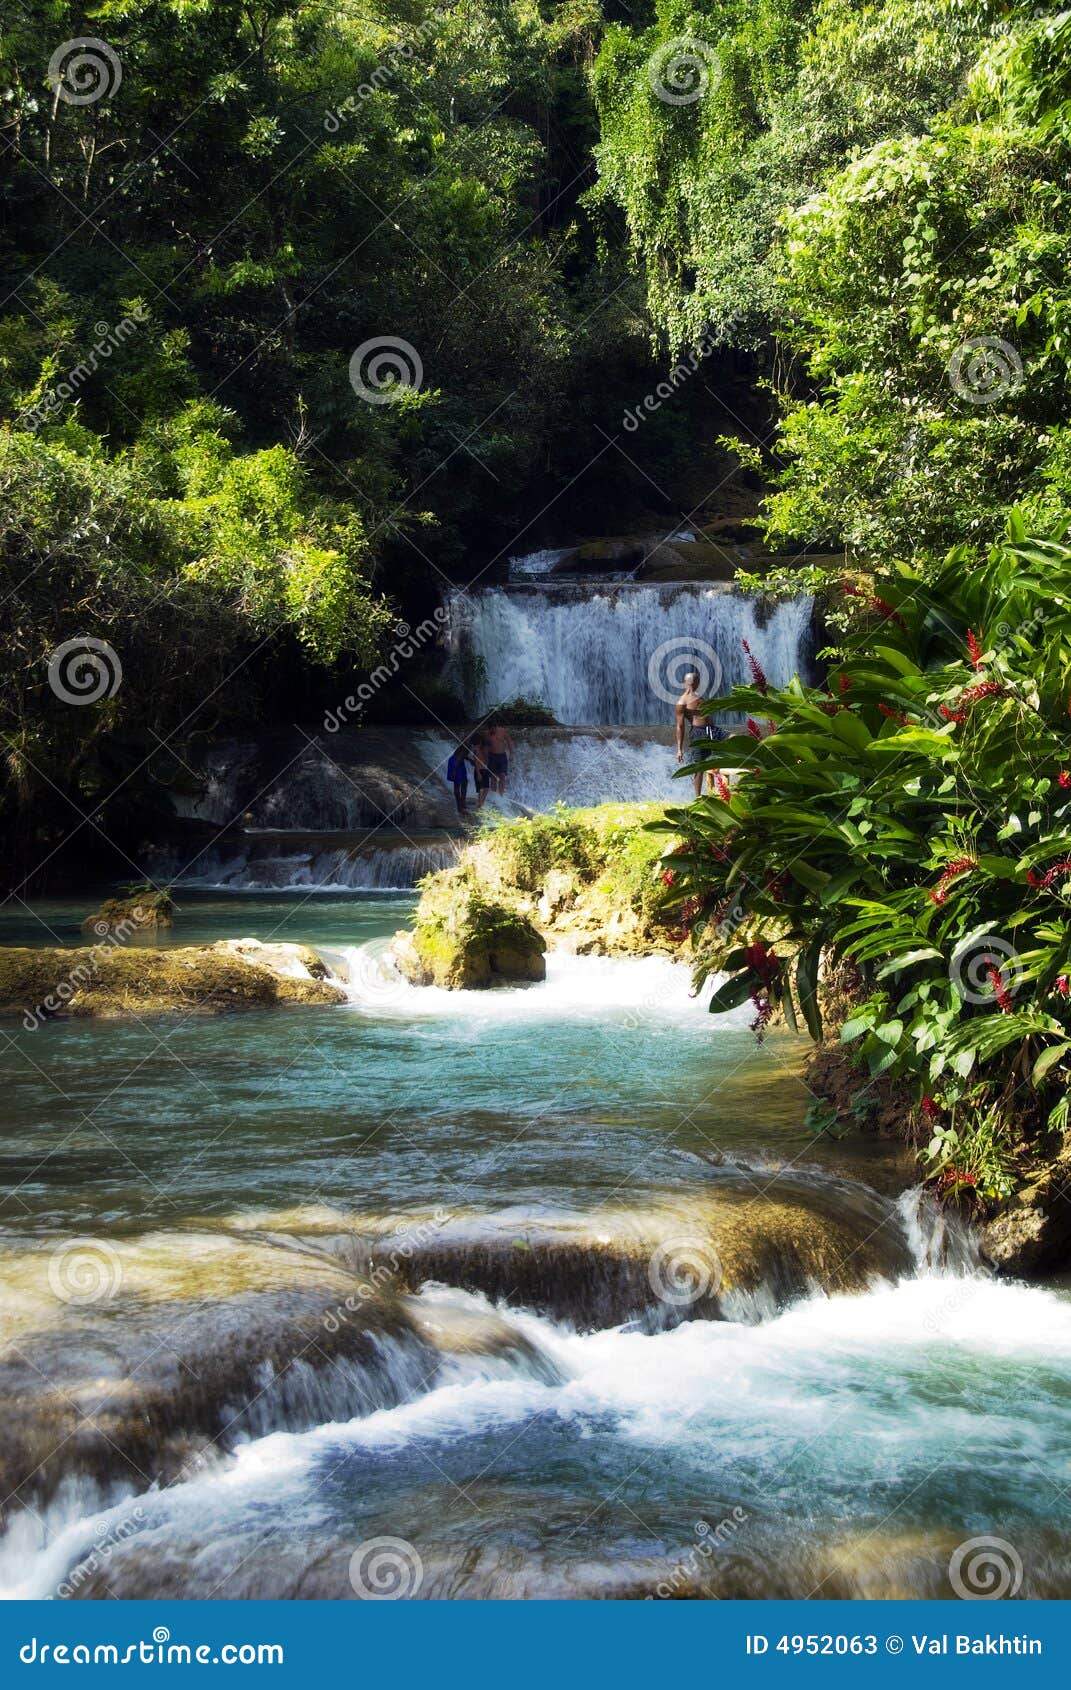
600 654
276 862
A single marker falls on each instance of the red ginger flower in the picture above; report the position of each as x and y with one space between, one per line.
931 1110
724 790
893 715
668 877
975 649
845 684
763 1014
1062 985
753 728
953 715
958 866
1000 990
1064 779
984 689
1043 881
758 674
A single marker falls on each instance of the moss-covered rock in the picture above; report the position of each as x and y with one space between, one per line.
584 880
466 942
140 912
108 980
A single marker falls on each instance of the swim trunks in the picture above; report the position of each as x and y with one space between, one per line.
498 763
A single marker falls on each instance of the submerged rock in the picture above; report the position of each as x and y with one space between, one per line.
464 942
107 980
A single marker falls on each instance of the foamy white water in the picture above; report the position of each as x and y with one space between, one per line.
846 1397
631 989
600 654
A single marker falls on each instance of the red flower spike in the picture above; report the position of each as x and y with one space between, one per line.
984 689
753 728
1000 990
975 650
758 674
953 715
724 790
1043 881
845 684
931 1110
893 715
958 866
668 877
1062 985
1064 780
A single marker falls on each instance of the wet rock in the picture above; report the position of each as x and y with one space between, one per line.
166 1390
1031 1233
108 980
464 942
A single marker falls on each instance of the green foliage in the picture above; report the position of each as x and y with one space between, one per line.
911 821
790 91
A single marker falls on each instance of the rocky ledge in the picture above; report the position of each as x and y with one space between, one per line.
583 881
112 980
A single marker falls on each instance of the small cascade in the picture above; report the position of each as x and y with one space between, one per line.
599 654
279 861
939 1240
579 766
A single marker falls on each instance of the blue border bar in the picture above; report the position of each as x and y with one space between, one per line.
540 1645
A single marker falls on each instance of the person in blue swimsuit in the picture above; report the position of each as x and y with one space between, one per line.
457 773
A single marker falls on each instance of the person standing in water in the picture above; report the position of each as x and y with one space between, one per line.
481 759
457 773
499 752
695 732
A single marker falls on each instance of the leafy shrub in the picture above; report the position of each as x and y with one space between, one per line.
912 820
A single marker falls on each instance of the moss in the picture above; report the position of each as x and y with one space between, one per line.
586 879
106 980
144 909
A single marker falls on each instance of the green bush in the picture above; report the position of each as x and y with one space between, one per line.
912 820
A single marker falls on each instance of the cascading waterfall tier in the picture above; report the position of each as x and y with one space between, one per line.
597 654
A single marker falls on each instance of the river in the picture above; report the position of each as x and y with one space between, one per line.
544 1292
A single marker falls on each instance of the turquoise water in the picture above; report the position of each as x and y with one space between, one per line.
284 1285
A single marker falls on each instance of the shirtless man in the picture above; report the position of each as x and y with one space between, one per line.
499 752
693 731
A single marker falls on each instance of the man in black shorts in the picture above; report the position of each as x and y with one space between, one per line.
499 752
694 731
